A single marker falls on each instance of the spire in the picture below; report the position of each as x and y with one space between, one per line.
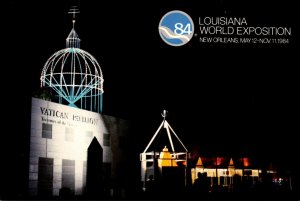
231 164
73 41
164 114
200 163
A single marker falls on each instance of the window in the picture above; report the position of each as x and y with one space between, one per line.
106 140
45 176
68 174
69 134
47 131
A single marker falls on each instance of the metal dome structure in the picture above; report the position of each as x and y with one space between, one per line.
74 75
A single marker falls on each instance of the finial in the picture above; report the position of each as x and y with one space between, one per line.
74 10
164 113
165 149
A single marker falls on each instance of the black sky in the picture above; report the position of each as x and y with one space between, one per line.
218 96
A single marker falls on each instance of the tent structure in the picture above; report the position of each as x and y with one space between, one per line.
157 164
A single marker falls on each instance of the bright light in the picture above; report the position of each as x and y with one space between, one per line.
75 76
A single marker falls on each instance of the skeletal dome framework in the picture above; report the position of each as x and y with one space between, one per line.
74 75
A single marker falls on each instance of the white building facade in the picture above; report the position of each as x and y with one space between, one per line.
59 141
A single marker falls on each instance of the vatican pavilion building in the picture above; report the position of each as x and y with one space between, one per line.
75 150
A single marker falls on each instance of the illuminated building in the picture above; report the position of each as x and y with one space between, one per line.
221 171
74 149
172 169
230 174
168 168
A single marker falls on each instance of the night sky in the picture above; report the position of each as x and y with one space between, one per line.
223 98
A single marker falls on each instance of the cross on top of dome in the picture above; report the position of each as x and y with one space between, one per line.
73 41
74 10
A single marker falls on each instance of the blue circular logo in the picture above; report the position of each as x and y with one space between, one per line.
176 28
